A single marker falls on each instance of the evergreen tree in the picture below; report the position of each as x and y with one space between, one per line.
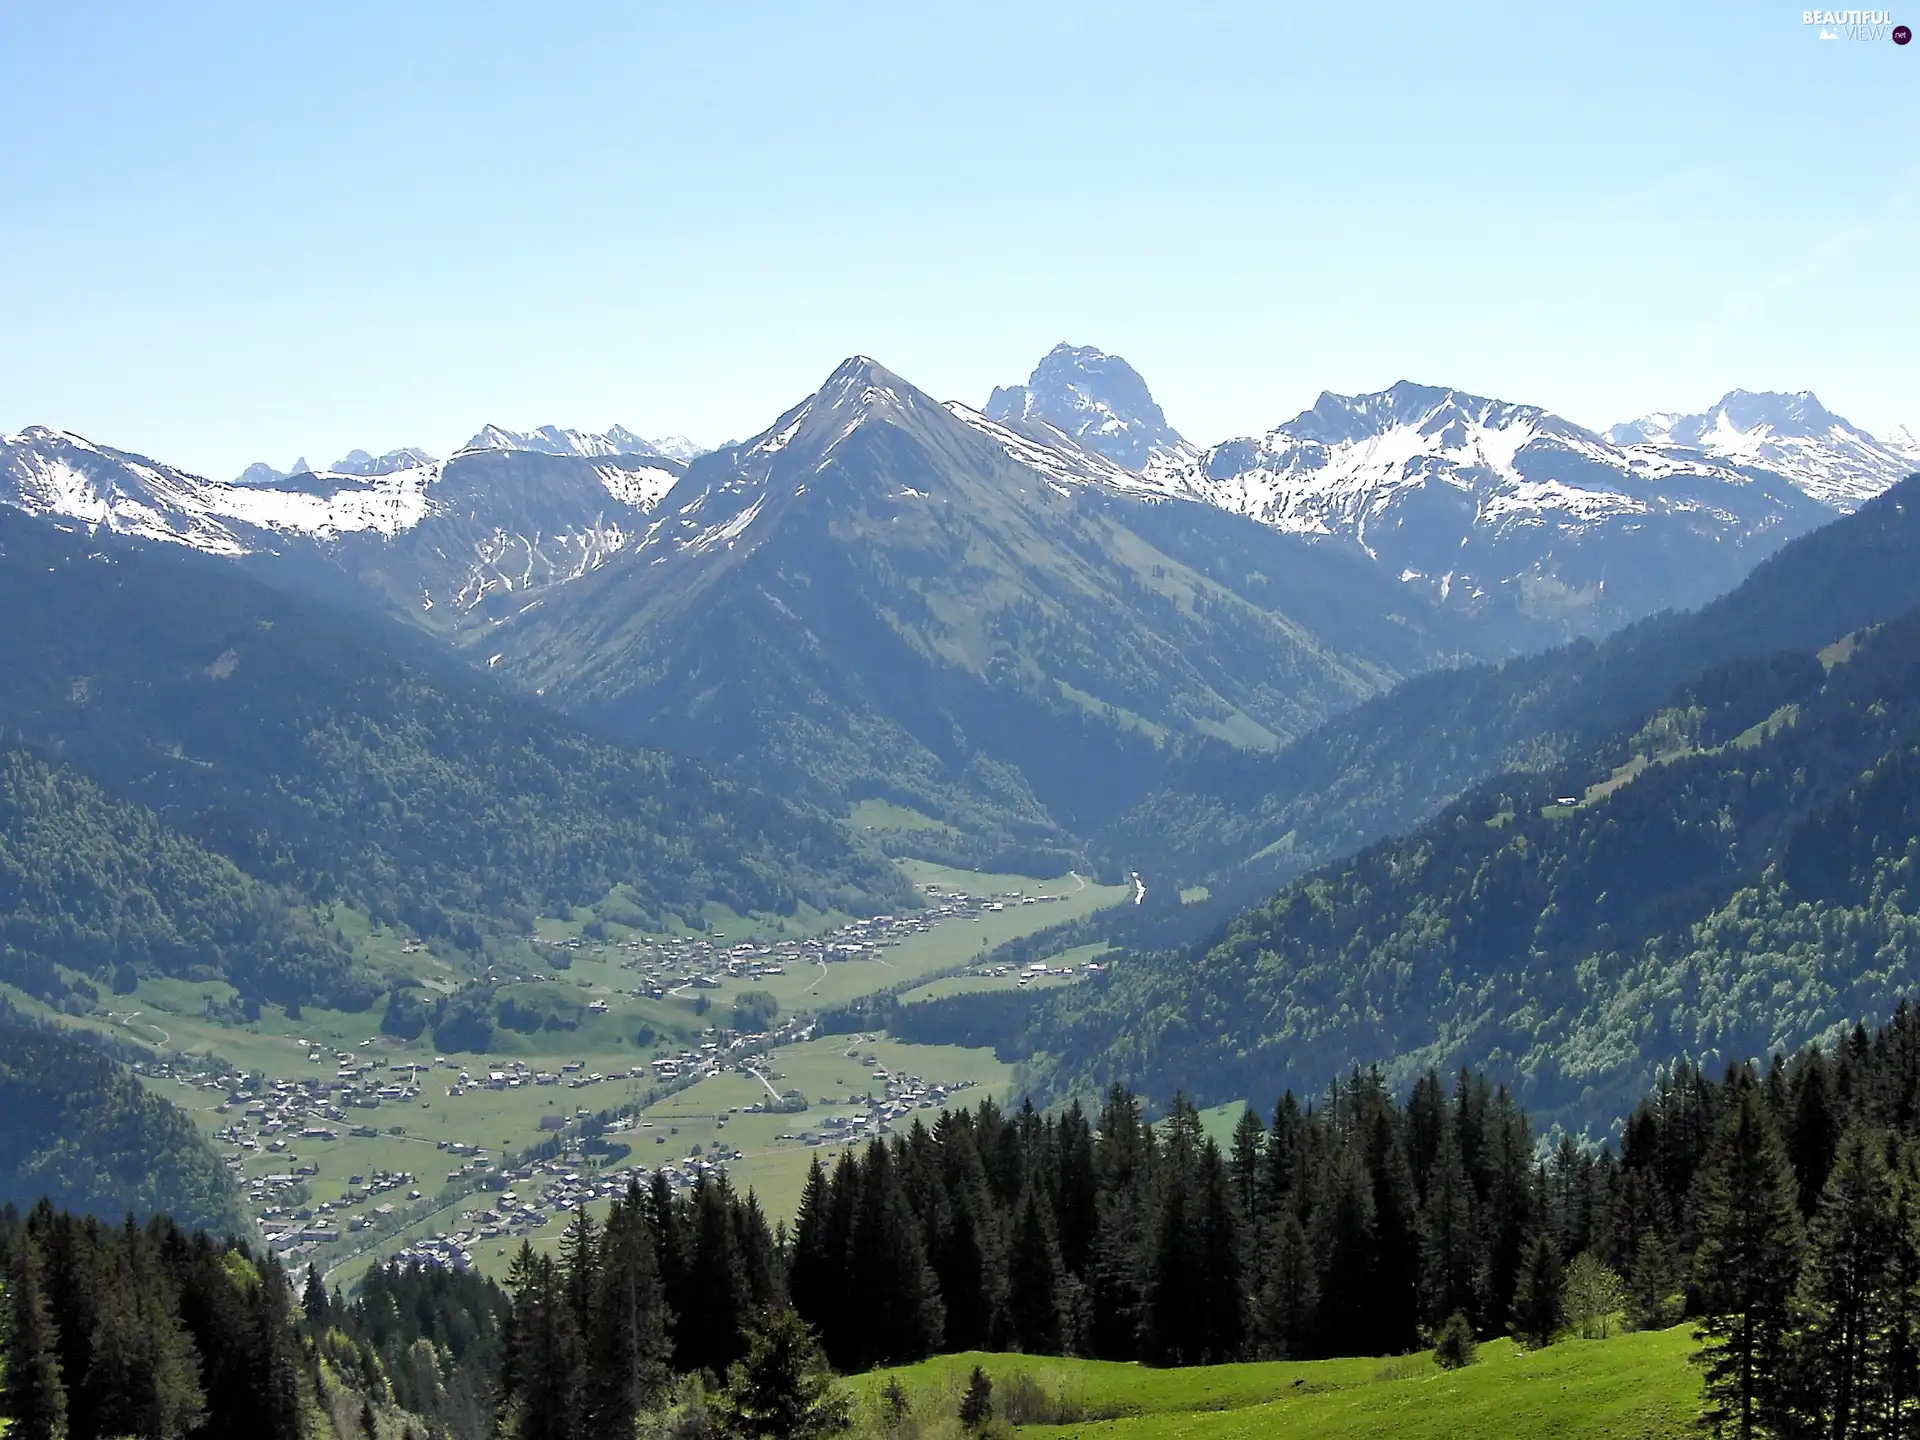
1342 1239
815 1275
1455 1347
278 1409
1841 1342
976 1405
782 1389
1033 1284
1076 1194
1289 1296
36 1399
314 1303
1815 1132
627 1344
1449 1249
901 1318
1247 1161
710 1323
1220 1292
1538 1293
1745 1267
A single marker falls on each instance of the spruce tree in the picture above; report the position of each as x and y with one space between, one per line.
278 1407
1220 1290
36 1398
1449 1242
1289 1296
976 1405
1247 1161
710 1324
314 1303
627 1346
1033 1283
1746 1266
1845 1302
1815 1134
781 1389
1342 1241
816 1277
1076 1193
1537 1293
901 1318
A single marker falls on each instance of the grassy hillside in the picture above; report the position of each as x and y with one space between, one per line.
1634 1385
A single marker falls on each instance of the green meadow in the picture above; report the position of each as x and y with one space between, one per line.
1636 1386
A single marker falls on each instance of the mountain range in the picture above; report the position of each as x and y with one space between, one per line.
1023 622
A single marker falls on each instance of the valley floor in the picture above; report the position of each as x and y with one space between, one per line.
1636 1386
342 1183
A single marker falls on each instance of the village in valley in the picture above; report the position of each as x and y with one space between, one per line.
352 1150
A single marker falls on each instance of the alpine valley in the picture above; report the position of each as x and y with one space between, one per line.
1050 635
829 790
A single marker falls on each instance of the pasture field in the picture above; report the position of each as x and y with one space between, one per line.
885 815
973 984
1631 1387
768 1153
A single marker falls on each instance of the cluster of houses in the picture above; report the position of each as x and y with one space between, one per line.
668 964
895 1098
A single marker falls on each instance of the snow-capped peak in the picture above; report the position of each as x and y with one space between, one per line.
1098 400
1789 434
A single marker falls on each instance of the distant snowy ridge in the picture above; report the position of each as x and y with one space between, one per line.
1792 435
556 440
54 472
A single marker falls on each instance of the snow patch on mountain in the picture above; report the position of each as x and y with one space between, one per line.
1790 435
591 445
1042 448
640 487
51 472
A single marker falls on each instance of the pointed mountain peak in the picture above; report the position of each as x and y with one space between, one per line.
1096 398
865 381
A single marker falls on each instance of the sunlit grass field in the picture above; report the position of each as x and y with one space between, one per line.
1630 1387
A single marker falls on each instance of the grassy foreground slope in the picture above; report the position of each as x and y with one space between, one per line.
1631 1387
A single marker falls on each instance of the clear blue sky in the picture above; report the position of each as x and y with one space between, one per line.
250 231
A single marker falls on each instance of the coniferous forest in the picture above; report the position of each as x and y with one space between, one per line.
1778 1210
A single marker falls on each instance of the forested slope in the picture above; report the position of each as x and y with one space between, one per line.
338 756
1735 873
81 1132
1244 822
106 888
